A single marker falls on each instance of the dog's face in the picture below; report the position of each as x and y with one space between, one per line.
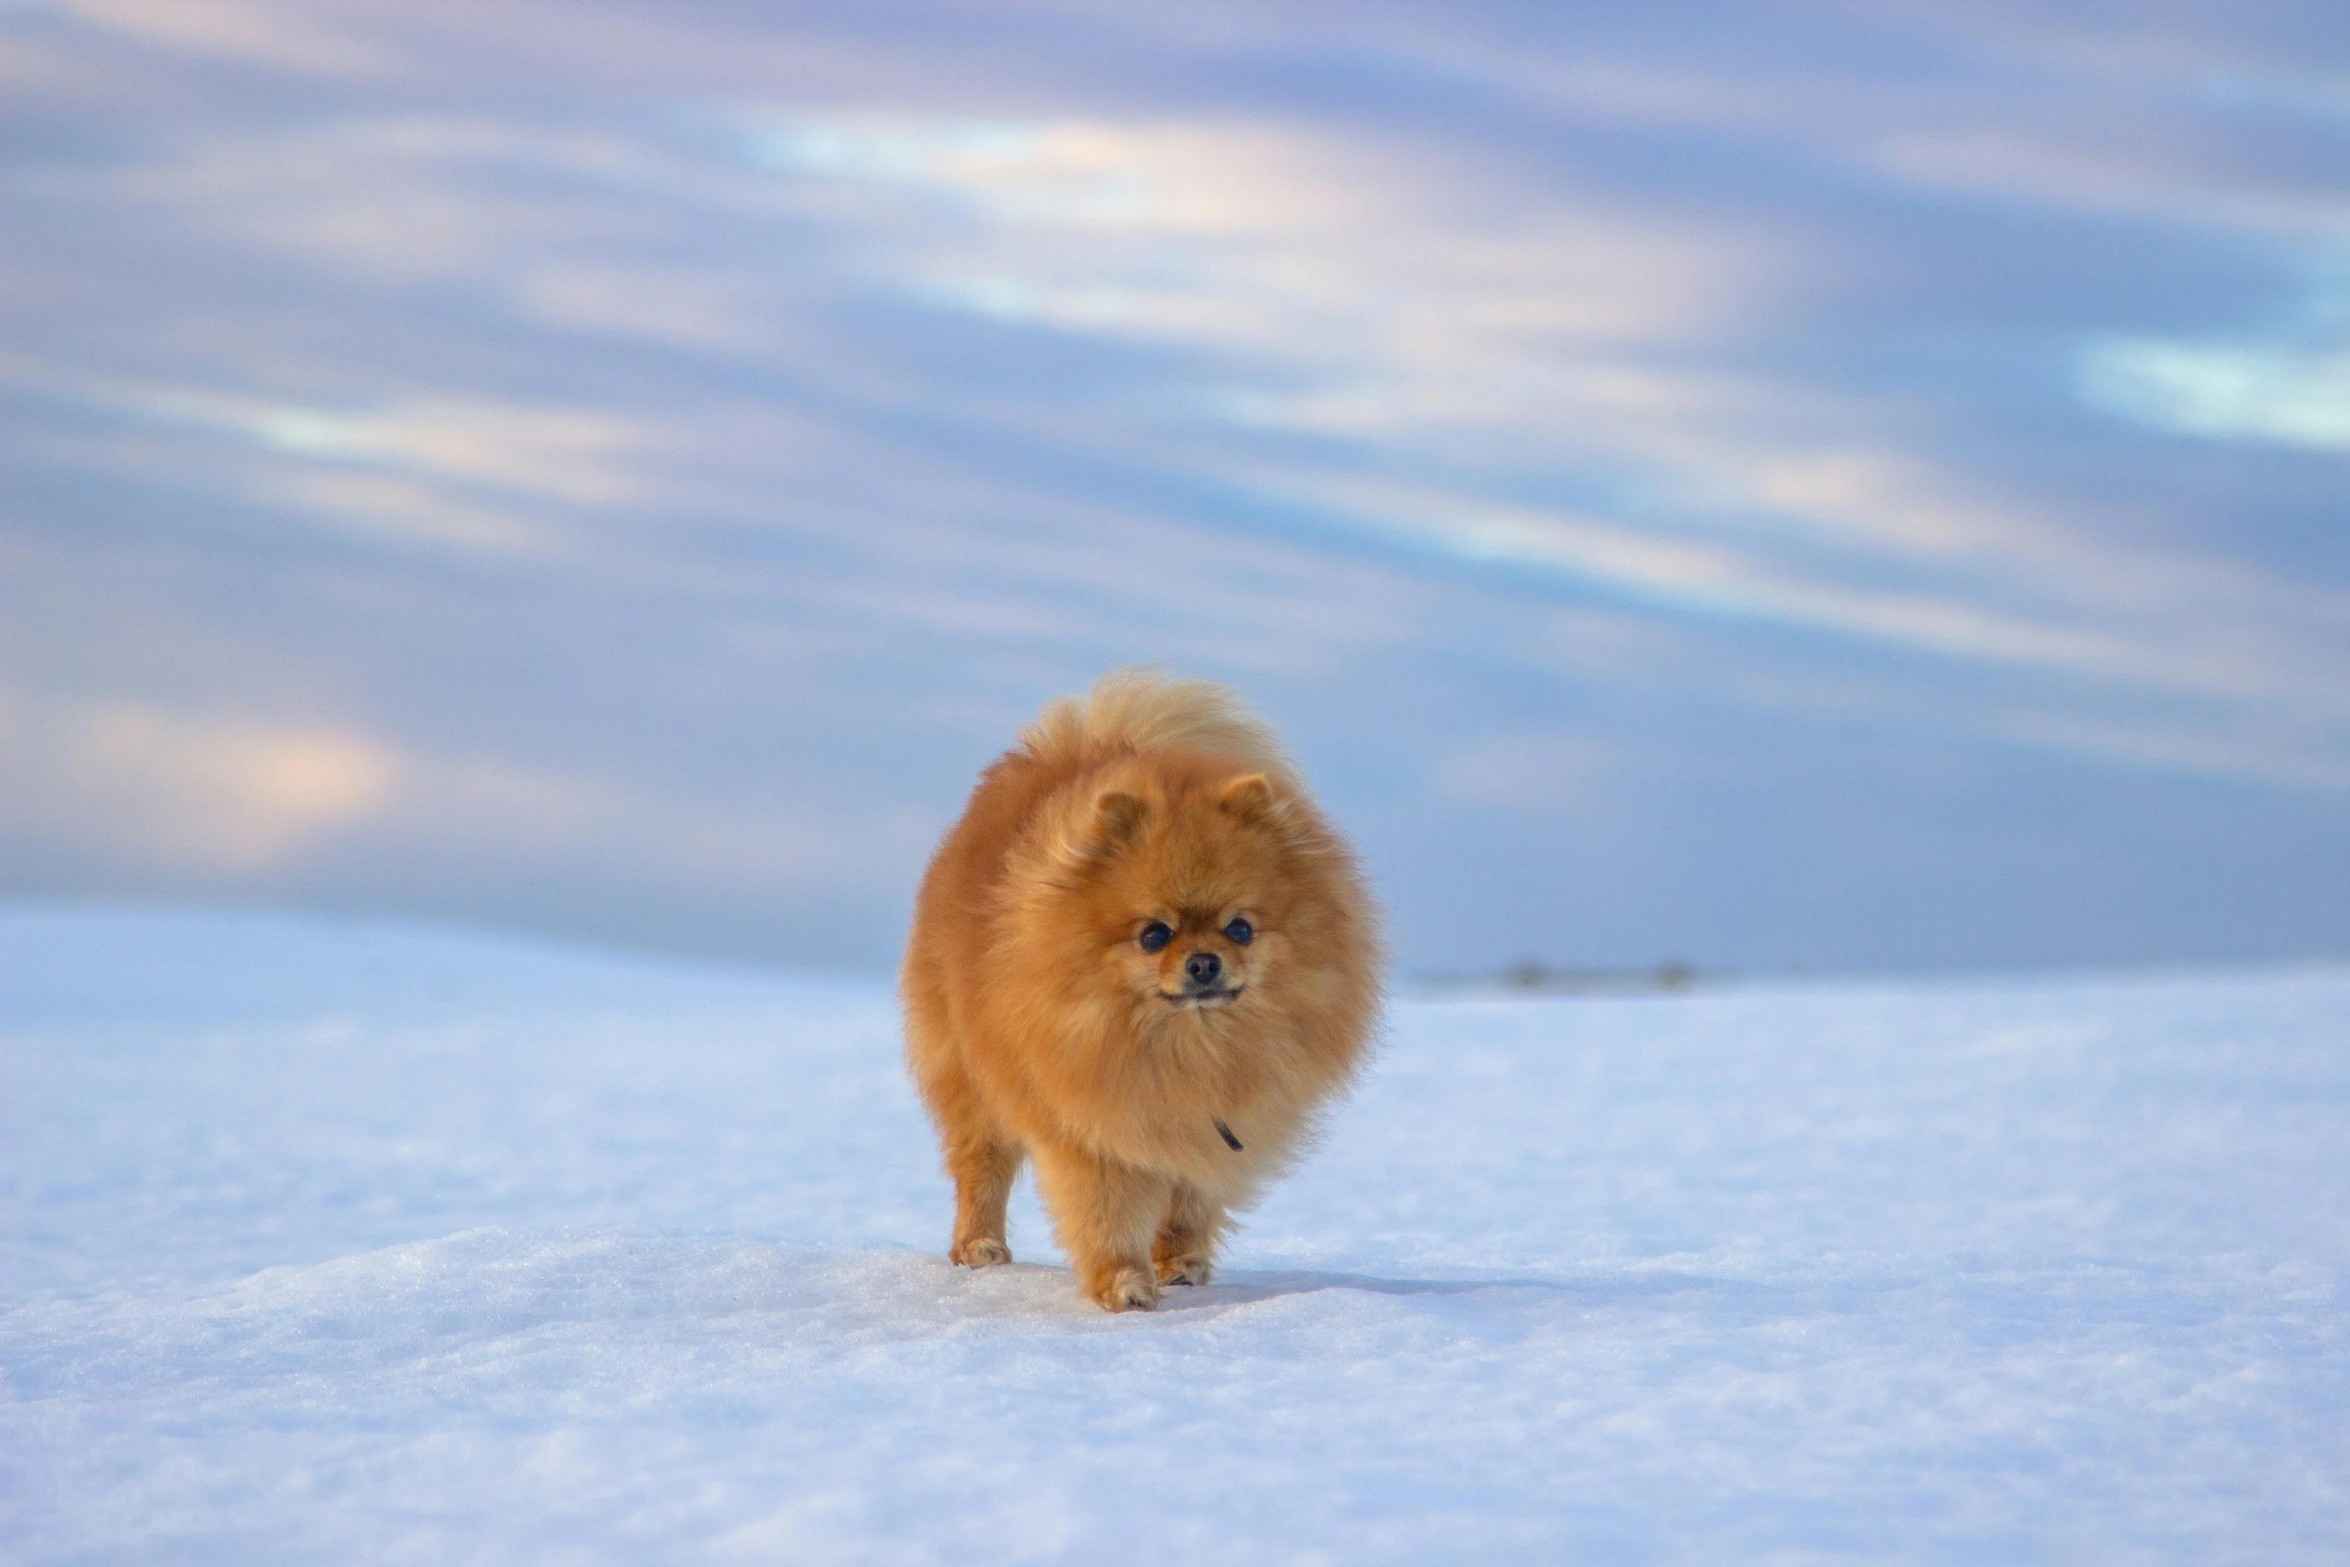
1186 888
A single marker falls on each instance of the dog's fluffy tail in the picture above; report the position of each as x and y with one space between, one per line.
1140 709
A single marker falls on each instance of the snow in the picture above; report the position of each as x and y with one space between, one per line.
338 1244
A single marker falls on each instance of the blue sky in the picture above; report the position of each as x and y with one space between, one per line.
1823 487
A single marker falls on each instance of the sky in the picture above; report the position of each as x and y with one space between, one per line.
1817 487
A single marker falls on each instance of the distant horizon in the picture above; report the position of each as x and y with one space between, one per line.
1502 979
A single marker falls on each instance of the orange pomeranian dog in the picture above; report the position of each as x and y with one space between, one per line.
1144 960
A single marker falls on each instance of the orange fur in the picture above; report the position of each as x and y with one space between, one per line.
1038 1027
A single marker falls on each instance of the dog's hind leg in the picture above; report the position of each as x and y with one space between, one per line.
1185 1250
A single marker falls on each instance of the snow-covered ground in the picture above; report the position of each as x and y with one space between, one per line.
360 1245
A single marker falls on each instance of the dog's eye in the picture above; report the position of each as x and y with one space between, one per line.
1240 933
1154 937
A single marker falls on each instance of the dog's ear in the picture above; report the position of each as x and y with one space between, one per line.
1250 798
1099 833
1115 816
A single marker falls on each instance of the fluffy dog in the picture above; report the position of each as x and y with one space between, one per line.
1144 960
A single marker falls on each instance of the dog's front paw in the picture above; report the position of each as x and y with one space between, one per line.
1189 1268
980 1251
1126 1289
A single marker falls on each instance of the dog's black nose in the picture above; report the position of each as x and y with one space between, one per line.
1201 968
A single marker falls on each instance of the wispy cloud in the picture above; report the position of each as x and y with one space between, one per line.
444 473
1263 239
244 31
196 791
1715 580
2280 396
1545 347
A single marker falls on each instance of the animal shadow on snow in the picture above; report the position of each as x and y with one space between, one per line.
1607 1289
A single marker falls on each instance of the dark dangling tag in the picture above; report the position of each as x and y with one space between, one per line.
1230 1141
